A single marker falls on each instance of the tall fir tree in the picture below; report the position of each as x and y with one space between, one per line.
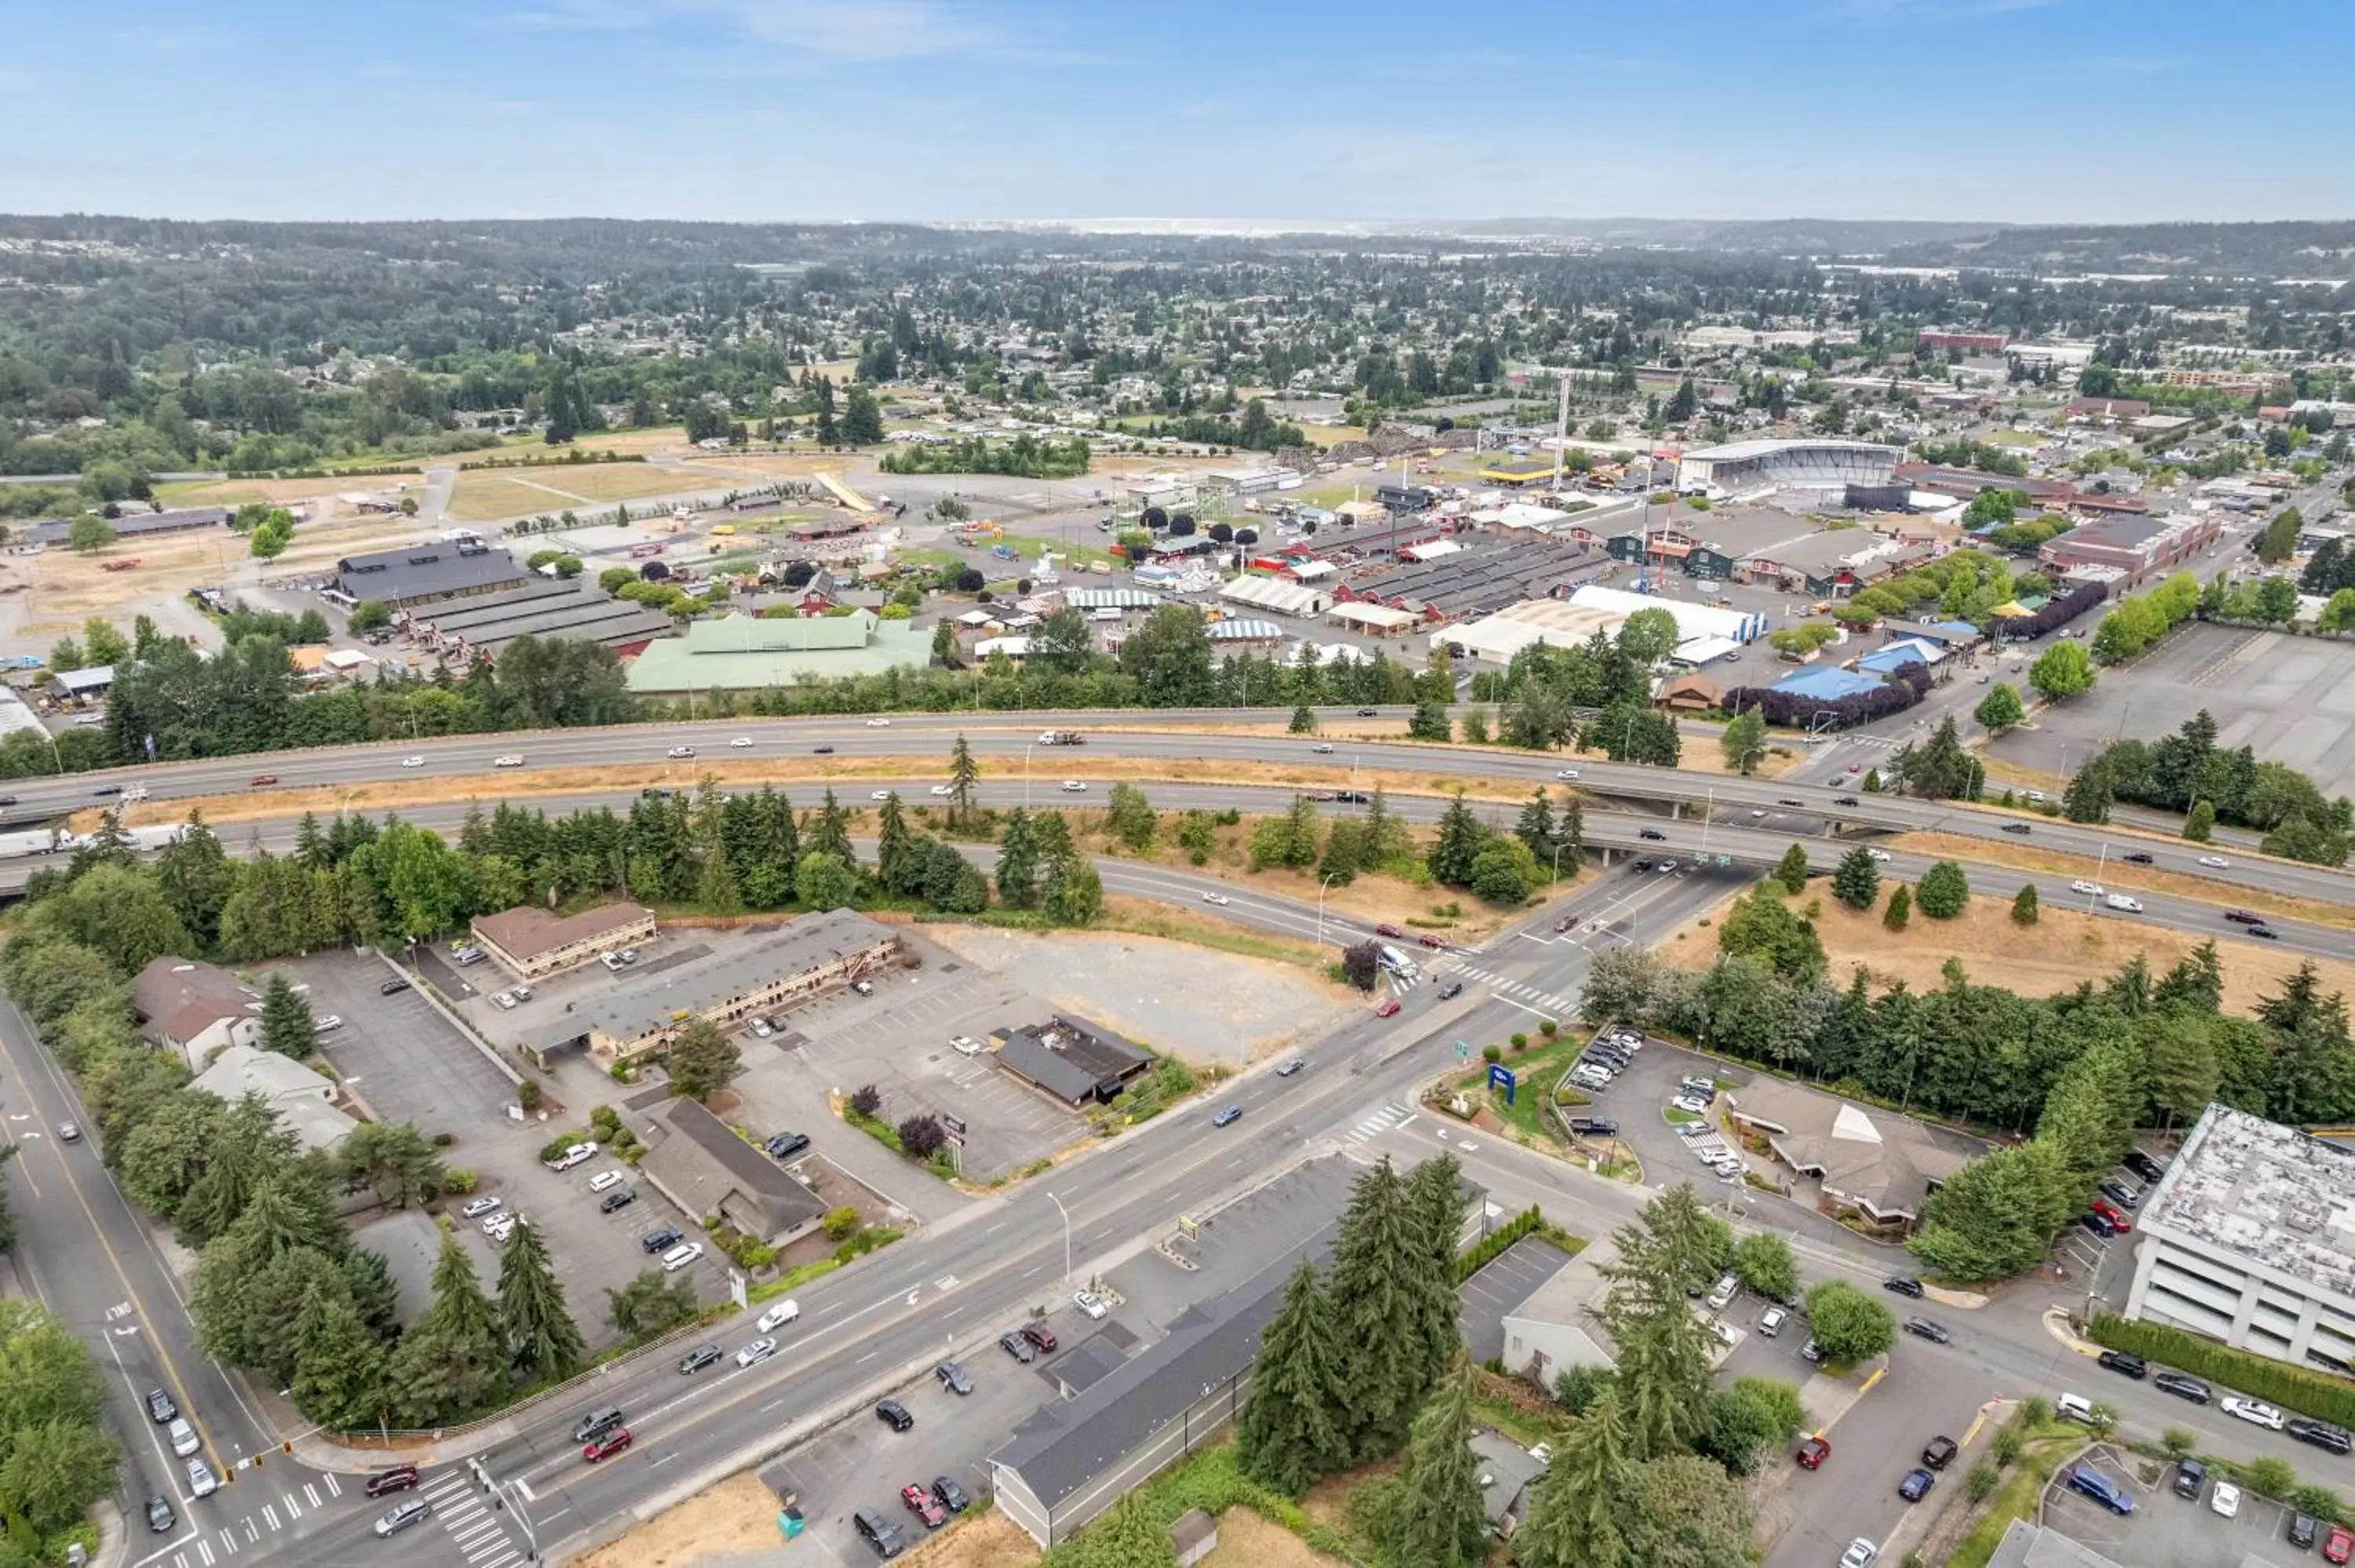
452 1360
541 1334
965 780
1458 844
339 1367
1435 1190
1439 1519
1379 1312
1857 883
1536 827
1018 862
287 1026
1571 1521
1290 1433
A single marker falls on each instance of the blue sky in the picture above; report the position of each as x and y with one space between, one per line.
2034 110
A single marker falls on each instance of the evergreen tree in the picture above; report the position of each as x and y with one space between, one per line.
2199 822
1942 891
894 845
1457 845
1429 722
1435 1190
2090 793
1289 1436
197 877
1072 892
965 778
1439 1518
1378 1313
1018 862
1857 883
1571 1521
451 1361
1899 912
1791 871
1573 826
1304 720
540 1333
703 1059
339 1367
1744 742
2024 911
1536 827
286 1023
1663 1350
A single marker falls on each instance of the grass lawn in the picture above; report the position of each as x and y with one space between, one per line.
1535 1072
1028 549
2023 1483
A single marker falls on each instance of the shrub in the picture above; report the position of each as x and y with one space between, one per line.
458 1182
604 1121
1981 1480
2314 1394
2270 1477
867 1100
528 1092
841 1223
1520 1041
1548 1027
1491 1054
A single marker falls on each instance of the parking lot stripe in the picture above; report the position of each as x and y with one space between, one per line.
205 1550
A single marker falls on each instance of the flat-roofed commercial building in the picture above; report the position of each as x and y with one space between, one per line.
530 942
2250 1238
791 964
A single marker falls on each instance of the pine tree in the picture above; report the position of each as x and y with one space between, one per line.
1018 862
1900 912
1536 827
1290 1435
310 843
1457 845
450 1361
1435 1190
540 1333
1573 826
829 831
1942 891
1378 1310
1572 1522
965 778
2199 822
1439 1519
1429 722
2024 911
1857 883
339 1367
892 845
1304 720
1791 870
287 1025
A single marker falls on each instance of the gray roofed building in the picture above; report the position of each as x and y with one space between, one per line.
130 525
90 681
303 1098
790 964
1480 578
1070 1060
1881 1164
421 573
544 609
1070 1462
1507 1471
699 1164
1555 1328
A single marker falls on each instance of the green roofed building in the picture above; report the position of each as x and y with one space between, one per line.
741 653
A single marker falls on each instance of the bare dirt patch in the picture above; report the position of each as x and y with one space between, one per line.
2062 950
2025 857
1203 1005
977 1541
738 1515
1246 1540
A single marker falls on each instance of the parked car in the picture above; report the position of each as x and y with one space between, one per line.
2143 1166
1090 1304
2301 1531
392 988
2182 1386
662 1240
1859 1554
2320 1434
1040 1337
953 1378
2190 1479
2118 1192
2097 1224
951 1495
2339 1546
2225 1499
1939 1451
1771 1321
894 1415
785 1145
1916 1485
1018 1347
877 1532
1812 1453
2091 1482
922 1504
2120 1362
2111 1212
2254 1411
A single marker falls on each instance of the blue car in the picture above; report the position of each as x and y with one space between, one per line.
1916 1485
1227 1115
2101 1489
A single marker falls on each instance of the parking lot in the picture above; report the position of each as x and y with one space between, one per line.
405 1062
1500 1287
2163 1531
899 1040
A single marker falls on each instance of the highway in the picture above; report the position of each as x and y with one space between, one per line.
1145 734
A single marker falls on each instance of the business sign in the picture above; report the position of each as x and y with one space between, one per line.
955 1125
1501 1078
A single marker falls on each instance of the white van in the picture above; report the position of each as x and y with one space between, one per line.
2074 1407
1106 613
680 1257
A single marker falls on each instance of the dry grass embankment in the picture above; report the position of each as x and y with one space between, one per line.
2122 877
2062 951
738 1515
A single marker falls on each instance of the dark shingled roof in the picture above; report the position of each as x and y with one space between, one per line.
1070 1061
425 569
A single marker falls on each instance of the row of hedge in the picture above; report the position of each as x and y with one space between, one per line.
1528 1223
2316 1394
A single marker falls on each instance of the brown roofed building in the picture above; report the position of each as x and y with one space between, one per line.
531 942
1690 694
704 1168
193 1009
1879 1164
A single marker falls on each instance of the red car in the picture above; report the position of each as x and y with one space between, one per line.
2111 1212
1042 1337
1428 941
605 1447
1388 931
1565 923
2339 1546
920 1503
1812 1453
1388 1009
259 779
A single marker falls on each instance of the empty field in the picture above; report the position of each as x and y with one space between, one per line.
484 495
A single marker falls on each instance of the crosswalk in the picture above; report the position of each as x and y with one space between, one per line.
1560 1007
480 1535
1396 1114
224 1541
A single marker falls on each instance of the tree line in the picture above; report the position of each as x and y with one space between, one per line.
1364 1363
2189 772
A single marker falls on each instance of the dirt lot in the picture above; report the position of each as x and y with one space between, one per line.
977 1541
737 1515
1248 1540
1158 992
2063 948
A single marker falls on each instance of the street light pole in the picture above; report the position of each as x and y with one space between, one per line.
1320 905
1067 1234
1025 775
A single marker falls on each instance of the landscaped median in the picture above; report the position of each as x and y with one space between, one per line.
1542 1095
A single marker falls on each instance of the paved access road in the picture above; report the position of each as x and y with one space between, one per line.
1138 733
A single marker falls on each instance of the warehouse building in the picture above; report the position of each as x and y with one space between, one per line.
1470 575
2140 547
2250 1238
1557 623
421 574
544 609
130 525
1693 620
1276 595
740 653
